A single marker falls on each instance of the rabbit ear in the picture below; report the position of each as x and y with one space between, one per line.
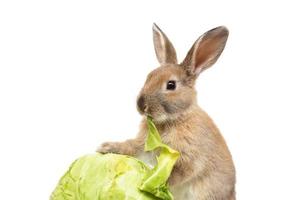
164 49
205 51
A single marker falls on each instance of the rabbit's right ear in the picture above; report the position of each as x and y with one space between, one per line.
205 51
164 49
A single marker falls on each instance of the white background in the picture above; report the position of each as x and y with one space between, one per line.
70 72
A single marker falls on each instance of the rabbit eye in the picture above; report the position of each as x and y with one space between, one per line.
171 85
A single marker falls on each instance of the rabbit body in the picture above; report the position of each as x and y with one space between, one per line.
205 170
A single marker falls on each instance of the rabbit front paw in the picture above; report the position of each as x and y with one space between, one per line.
109 147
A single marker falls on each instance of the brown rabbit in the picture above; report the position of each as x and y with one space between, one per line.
205 170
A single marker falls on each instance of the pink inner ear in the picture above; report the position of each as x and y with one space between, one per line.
206 52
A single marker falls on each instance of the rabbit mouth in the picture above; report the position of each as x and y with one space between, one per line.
155 114
158 115
148 113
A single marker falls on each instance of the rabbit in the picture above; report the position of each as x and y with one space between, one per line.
205 169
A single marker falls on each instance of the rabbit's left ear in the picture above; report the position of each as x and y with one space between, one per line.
164 49
205 51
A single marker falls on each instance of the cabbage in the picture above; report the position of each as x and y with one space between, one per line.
117 177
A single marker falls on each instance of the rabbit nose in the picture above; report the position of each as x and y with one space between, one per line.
141 104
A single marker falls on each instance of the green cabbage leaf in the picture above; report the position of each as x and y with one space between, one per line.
119 177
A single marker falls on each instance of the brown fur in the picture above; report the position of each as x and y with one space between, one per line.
205 170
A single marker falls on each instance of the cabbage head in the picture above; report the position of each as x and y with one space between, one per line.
119 177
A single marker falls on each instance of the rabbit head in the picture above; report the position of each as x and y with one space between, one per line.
169 89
